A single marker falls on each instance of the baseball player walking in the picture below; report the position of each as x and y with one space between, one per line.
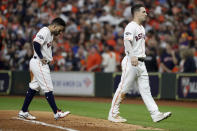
39 69
133 68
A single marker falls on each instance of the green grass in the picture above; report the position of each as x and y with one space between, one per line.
183 119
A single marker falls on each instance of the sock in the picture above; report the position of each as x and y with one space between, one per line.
29 96
51 101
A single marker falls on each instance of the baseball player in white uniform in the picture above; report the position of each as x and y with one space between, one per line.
39 69
133 68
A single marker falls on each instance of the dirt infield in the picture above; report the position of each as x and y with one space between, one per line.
8 121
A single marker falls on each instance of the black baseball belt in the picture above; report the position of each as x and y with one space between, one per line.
142 59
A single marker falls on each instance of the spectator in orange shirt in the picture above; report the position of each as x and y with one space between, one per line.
58 60
119 51
93 60
110 40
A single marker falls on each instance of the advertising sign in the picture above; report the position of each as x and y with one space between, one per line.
5 82
187 86
73 83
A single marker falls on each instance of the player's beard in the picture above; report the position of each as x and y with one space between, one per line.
143 20
56 33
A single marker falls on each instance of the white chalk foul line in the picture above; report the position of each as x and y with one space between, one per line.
45 124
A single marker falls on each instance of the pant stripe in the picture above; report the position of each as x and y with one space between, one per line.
31 75
119 93
43 76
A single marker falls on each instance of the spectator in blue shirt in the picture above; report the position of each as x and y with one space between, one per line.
169 59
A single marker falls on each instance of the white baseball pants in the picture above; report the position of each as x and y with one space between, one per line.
130 74
40 76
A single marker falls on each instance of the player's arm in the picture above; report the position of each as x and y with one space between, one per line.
128 45
38 41
128 38
128 42
37 48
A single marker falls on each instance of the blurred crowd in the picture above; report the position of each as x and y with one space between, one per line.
93 38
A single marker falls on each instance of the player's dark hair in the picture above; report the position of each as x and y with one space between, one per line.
58 21
136 7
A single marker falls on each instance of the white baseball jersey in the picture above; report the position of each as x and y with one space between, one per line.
44 38
136 34
40 73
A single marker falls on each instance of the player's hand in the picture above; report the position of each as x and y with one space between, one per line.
134 61
44 61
